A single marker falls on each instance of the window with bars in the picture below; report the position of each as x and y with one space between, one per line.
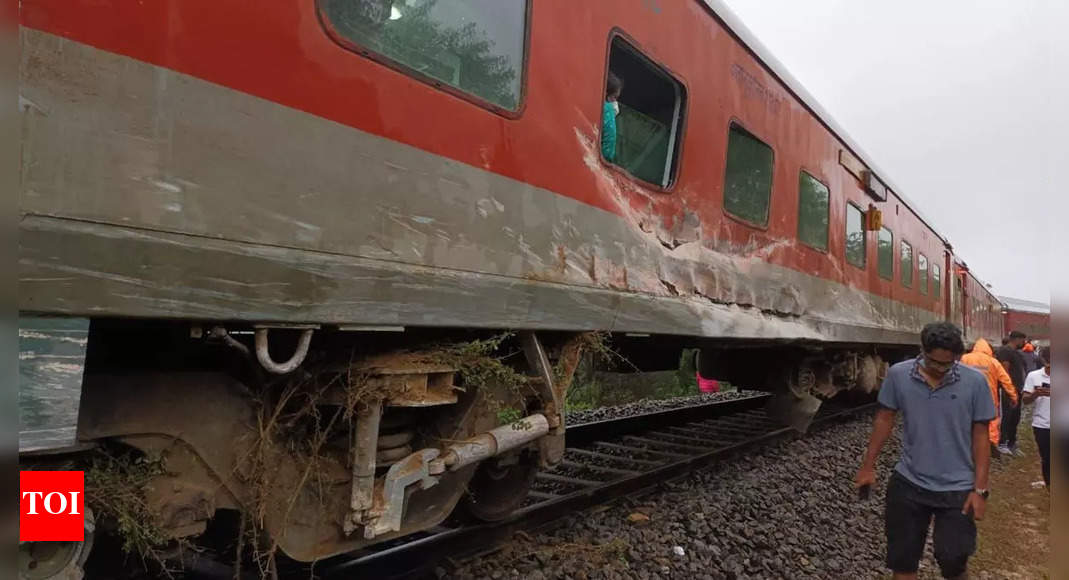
855 235
885 254
649 124
906 267
922 273
748 177
476 47
813 208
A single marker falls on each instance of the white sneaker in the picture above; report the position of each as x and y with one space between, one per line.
1004 450
1038 484
1017 451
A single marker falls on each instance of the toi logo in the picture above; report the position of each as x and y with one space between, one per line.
52 506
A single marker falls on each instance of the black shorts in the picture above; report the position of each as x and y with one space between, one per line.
909 512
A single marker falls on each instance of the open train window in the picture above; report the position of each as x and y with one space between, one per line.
906 266
475 48
885 254
937 281
855 235
748 177
812 212
922 274
648 126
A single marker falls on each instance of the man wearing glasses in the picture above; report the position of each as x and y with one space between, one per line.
942 470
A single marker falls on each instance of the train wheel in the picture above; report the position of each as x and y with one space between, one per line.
499 486
56 560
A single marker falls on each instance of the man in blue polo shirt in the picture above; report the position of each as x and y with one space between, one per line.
942 471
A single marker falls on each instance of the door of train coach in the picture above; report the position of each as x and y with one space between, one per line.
956 297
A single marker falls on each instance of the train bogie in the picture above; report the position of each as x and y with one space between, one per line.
362 442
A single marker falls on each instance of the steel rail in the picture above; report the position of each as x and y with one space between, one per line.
420 553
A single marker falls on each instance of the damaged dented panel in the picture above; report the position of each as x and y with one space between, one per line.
376 294
51 367
424 223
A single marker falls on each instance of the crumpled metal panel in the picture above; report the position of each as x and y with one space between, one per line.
240 208
51 365
312 286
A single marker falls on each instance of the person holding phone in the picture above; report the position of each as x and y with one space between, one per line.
1037 390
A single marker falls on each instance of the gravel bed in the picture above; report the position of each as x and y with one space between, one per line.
644 406
788 510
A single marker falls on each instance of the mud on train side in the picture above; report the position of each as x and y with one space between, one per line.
331 265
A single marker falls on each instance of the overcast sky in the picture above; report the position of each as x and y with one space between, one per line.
957 100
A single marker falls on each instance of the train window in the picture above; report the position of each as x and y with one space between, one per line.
649 123
748 178
473 46
906 267
855 235
812 212
885 254
937 281
922 274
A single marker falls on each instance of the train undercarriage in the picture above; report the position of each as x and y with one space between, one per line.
196 440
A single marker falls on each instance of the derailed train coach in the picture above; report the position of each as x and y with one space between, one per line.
1027 316
279 259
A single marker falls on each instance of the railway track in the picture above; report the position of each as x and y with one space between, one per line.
604 461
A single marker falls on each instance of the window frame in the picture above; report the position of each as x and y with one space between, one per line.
736 122
927 279
912 264
827 233
682 116
878 273
399 67
864 235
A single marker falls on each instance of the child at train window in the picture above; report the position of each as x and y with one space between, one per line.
611 108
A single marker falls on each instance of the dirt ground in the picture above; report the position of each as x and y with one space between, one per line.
1014 536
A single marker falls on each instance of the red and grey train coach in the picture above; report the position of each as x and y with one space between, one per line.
1027 316
293 208
975 308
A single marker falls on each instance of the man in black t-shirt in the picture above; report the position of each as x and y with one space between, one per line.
1009 354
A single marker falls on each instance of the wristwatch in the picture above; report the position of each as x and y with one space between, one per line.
982 492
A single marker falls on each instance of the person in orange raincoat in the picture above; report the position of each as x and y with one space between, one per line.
982 359
1031 358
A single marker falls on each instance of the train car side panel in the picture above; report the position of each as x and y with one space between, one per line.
1036 325
161 150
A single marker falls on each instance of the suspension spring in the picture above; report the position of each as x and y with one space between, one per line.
396 433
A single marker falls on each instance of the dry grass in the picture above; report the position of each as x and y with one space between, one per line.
294 422
115 485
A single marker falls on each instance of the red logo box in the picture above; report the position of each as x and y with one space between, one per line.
52 506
